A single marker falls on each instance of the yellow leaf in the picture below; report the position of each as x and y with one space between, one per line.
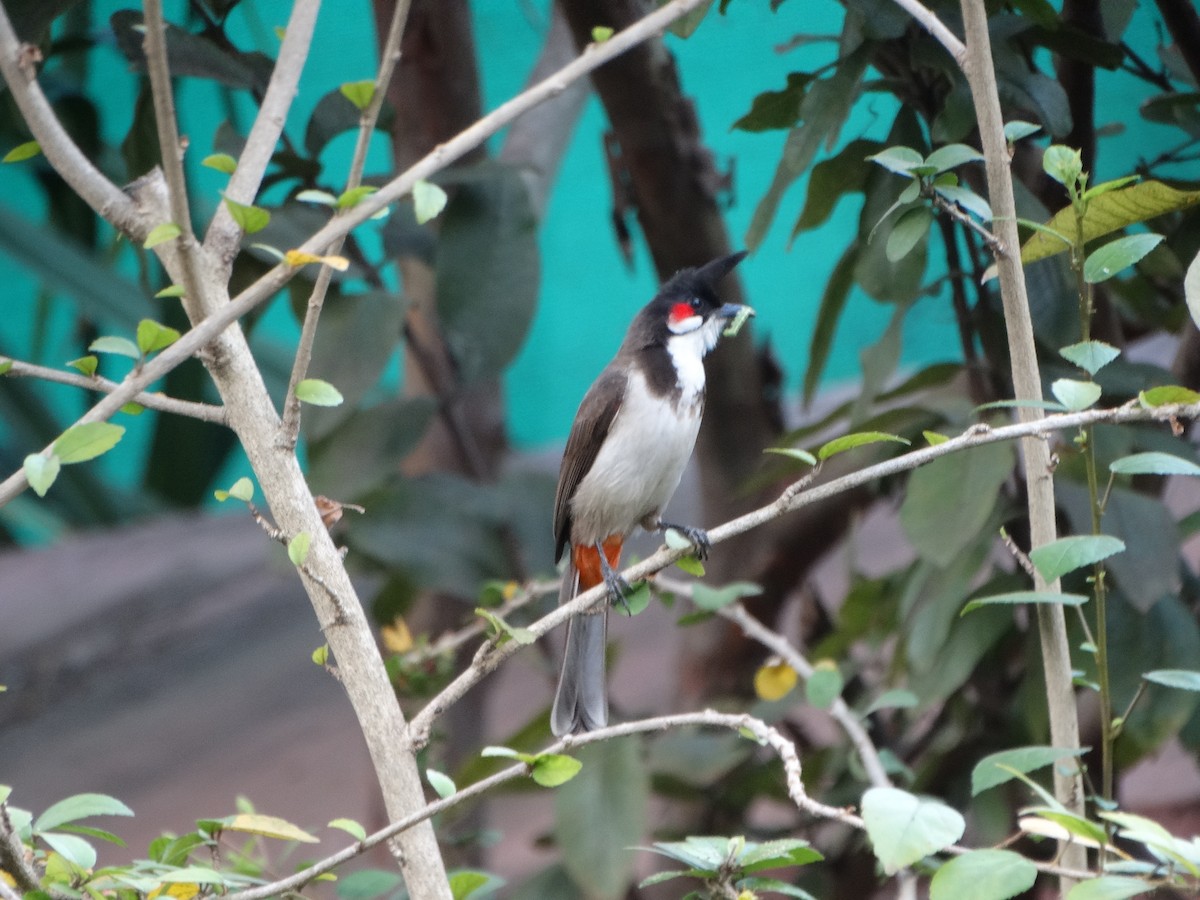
774 680
396 637
510 590
297 258
182 890
269 826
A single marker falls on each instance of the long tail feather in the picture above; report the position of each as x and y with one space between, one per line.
581 702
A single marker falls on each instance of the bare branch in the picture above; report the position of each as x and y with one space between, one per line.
339 226
195 291
930 22
389 56
12 855
18 63
223 235
490 654
206 412
845 716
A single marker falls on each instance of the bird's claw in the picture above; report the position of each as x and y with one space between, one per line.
698 537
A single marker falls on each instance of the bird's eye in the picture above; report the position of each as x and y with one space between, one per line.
695 302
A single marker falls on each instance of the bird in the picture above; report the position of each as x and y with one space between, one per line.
628 446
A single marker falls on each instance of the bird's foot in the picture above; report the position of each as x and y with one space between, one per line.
618 588
698 537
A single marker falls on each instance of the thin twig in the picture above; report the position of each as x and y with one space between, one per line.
223 234
761 732
451 641
491 654
195 291
205 412
955 212
268 284
12 855
931 23
845 716
389 57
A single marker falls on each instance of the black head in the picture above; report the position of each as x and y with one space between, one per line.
687 303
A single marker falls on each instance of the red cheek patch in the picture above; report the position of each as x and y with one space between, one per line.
680 312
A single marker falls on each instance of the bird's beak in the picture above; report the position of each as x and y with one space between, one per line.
733 310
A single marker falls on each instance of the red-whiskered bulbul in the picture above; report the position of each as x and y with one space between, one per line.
632 437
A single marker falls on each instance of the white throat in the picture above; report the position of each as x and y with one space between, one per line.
687 354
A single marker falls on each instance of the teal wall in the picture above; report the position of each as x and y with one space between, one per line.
587 293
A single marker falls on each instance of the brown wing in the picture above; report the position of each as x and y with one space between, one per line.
595 417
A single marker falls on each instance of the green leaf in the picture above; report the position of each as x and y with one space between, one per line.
222 162
351 198
1116 256
967 199
793 453
312 195
85 364
933 438
520 635
6 365
676 540
250 219
1183 679
904 829
118 345
297 548
691 565
441 783
856 439
171 290
772 110
40 472
939 518
22 152
160 234
320 656
1063 164
242 489
503 752
1109 887
711 599
74 849
637 600
1167 395
600 813
897 698
360 93
465 882
1075 395
901 160
999 768
488 266
951 156
1015 597
1091 356
601 33
80 806
1070 553
824 685
80 443
983 875
1153 463
351 827
1015 130
152 337
318 392
908 231
552 769
1108 213
1106 186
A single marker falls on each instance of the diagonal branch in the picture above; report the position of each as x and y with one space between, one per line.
388 58
18 64
267 285
223 233
206 412
795 496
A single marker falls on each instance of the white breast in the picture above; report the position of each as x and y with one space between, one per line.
642 460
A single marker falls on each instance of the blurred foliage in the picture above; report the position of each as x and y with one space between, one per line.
972 683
